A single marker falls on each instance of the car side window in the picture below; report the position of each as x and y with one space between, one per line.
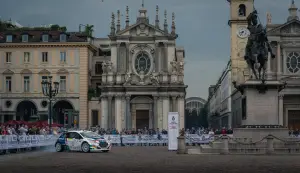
77 136
67 135
72 135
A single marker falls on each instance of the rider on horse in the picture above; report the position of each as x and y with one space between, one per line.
258 46
255 30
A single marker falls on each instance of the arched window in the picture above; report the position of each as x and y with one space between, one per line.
242 10
293 62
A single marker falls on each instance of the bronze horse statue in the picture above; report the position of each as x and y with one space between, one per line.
257 48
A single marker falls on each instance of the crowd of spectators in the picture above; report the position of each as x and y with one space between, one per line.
23 129
113 131
294 132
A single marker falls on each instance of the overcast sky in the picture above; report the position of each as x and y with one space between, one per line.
201 25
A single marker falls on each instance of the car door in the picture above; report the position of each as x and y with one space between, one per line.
77 141
71 140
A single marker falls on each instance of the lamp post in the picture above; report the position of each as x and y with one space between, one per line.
50 92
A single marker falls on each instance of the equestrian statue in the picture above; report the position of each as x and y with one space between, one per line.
257 48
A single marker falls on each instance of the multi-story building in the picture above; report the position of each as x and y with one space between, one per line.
29 56
219 101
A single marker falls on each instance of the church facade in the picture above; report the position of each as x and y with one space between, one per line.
141 76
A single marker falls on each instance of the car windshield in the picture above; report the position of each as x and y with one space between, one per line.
90 135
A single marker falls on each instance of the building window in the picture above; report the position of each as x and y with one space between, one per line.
8 83
26 84
8 57
98 68
26 57
44 78
62 83
63 37
44 57
25 38
293 62
95 118
45 38
62 57
242 10
9 38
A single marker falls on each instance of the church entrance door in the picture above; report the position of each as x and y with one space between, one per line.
142 119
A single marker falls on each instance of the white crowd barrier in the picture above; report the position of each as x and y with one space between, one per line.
8 142
155 139
27 141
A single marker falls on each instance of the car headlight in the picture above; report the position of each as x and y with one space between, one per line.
93 142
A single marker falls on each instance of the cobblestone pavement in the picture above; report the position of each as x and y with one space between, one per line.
145 159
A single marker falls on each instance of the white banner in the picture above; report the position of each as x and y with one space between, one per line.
26 141
173 130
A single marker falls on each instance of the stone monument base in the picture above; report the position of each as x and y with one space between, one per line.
258 133
260 116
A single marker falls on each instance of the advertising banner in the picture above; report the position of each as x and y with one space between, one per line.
173 130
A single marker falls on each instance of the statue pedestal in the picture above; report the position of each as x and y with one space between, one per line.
104 78
110 78
118 79
181 145
260 115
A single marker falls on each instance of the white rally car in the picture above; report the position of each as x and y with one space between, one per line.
86 141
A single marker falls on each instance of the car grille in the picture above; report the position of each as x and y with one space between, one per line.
103 144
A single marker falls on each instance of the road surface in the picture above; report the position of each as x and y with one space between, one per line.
144 159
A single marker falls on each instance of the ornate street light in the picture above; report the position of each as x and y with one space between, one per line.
50 92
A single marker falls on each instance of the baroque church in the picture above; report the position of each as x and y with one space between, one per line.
143 77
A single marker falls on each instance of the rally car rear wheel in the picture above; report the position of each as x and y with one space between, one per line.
85 147
58 147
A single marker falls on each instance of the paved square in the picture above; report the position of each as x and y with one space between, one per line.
145 159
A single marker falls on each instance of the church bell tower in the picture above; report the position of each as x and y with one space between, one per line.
239 10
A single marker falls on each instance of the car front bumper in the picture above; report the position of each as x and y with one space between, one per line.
96 148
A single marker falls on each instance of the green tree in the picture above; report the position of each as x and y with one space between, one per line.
89 30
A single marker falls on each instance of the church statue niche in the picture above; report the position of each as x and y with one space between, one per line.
242 10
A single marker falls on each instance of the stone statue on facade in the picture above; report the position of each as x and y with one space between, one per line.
154 78
257 48
181 67
104 67
128 78
174 66
109 66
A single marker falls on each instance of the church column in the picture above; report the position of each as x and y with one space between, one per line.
280 110
109 112
166 109
151 118
174 106
269 66
155 112
104 113
156 63
118 109
127 64
279 59
128 114
180 103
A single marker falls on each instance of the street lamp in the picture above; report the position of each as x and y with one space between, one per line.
50 92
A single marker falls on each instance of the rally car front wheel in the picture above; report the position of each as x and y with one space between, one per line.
58 147
85 147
